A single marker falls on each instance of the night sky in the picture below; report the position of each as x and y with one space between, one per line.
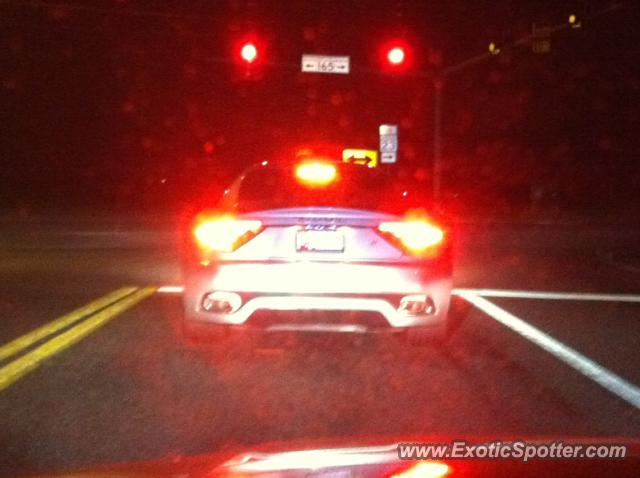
139 106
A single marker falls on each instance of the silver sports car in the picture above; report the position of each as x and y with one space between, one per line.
317 246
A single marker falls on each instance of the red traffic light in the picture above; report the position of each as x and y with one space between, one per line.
249 52
396 55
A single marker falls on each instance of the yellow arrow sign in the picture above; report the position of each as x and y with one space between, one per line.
368 157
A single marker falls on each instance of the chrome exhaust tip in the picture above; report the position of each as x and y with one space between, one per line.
221 302
417 305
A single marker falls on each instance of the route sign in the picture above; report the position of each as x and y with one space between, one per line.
388 143
325 64
388 158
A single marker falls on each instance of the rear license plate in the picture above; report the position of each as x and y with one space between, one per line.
319 241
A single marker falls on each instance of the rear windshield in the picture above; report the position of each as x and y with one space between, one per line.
355 187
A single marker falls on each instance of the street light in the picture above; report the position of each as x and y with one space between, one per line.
574 21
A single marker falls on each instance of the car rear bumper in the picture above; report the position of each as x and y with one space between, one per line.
367 296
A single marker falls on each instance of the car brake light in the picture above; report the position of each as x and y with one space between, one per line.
415 235
425 469
225 234
316 173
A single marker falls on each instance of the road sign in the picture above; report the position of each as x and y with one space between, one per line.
388 143
388 129
541 39
388 158
325 64
368 157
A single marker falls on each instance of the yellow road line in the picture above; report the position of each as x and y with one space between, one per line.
49 328
23 365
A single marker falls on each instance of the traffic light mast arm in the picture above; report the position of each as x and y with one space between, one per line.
438 77
524 40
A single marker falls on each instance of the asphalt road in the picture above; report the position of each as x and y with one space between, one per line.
124 388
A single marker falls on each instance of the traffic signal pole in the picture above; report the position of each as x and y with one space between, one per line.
438 84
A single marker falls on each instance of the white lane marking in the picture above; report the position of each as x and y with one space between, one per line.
590 369
170 289
530 294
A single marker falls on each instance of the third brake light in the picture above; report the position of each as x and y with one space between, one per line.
316 173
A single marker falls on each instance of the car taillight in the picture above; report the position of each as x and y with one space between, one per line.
225 234
417 236
425 469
